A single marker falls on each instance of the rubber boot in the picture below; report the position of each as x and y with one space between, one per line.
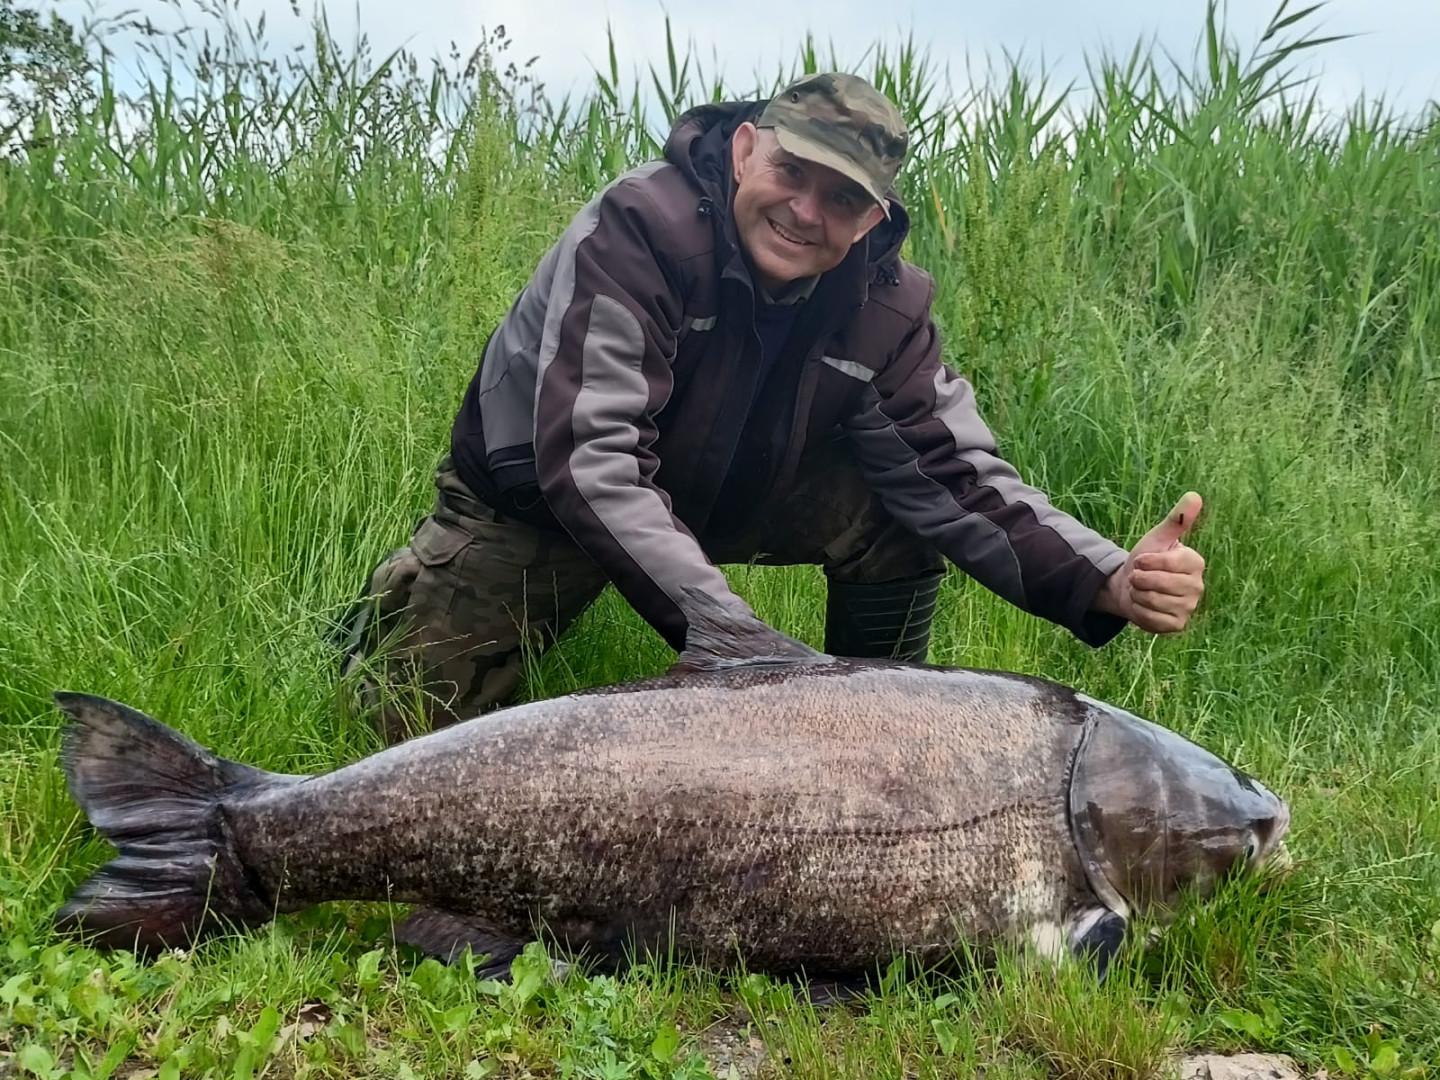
889 620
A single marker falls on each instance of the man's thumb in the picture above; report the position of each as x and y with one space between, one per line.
1176 524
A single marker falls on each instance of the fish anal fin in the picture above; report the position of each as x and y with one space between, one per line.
447 934
719 637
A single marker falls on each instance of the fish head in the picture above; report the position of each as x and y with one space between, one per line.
1154 815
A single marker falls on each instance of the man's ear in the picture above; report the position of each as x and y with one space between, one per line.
872 218
742 145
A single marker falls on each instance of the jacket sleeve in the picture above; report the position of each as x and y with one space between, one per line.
603 373
921 442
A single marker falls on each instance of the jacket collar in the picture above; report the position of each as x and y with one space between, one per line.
797 293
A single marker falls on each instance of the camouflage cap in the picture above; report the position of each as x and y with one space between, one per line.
843 122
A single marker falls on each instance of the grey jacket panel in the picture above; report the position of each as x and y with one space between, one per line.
603 376
604 467
526 340
508 373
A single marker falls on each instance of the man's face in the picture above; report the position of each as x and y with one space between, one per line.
794 218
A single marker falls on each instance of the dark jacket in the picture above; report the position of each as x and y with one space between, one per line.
614 393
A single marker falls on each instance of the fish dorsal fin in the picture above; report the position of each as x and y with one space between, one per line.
719 637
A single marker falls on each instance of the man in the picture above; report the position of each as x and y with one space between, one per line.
723 359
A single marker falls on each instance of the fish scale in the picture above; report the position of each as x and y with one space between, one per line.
827 816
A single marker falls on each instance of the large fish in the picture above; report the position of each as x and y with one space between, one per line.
761 802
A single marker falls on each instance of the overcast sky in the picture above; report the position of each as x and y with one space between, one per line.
1396 51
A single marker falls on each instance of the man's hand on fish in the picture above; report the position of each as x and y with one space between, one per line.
1162 581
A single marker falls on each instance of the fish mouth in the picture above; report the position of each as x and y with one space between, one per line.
1273 868
1277 861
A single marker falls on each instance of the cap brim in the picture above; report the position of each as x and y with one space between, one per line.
805 148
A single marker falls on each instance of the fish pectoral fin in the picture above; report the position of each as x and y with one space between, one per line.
718 637
1096 935
446 934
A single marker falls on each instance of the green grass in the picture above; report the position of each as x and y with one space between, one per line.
237 313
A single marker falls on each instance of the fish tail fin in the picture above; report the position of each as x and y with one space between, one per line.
156 795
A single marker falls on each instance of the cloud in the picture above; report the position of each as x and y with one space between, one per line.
749 41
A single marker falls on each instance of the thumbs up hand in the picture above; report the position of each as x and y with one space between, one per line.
1161 582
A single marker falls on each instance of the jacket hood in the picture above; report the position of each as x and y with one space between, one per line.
699 145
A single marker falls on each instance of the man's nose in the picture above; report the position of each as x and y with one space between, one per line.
806 207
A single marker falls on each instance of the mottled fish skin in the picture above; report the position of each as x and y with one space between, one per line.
822 815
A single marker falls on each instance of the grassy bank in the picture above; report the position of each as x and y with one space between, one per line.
237 311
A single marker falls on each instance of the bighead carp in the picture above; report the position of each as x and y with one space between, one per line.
761 802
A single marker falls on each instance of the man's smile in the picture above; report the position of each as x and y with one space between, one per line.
786 235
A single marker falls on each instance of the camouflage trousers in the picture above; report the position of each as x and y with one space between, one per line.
444 626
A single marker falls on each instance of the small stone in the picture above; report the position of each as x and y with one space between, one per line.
313 1016
1239 1067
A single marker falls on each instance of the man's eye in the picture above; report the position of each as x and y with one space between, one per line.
790 169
